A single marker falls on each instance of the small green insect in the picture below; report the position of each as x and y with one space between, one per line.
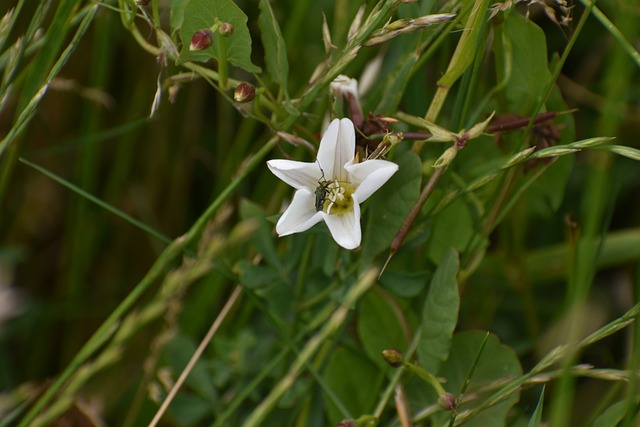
322 191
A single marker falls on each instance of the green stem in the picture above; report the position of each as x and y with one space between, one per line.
425 375
223 67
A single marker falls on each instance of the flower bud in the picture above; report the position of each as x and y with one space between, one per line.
201 39
346 423
225 29
447 157
245 92
447 401
393 357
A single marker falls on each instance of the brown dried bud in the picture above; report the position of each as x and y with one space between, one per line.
201 39
245 92
393 357
225 29
347 423
447 401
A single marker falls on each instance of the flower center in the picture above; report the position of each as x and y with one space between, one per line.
335 197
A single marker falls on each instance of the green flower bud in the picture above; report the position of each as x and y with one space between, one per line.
201 40
393 357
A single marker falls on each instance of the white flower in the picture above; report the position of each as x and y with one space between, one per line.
331 188
344 85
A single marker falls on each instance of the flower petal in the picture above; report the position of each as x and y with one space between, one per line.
369 176
345 229
337 148
299 175
344 85
300 215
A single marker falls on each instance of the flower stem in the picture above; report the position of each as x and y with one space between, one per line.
425 375
223 69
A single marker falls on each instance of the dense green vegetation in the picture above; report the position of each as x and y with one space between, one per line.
141 278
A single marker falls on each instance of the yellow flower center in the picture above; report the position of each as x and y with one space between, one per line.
337 198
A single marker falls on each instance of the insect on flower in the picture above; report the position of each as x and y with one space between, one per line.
322 190
331 188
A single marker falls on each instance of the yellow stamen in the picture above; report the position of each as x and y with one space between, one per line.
338 200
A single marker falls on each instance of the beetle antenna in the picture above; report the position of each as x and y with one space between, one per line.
322 171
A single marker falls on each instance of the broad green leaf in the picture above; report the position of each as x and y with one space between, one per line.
530 72
354 380
275 51
440 314
405 283
452 227
380 327
200 14
536 418
389 206
496 363
177 14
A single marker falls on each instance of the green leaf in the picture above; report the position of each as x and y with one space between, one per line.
530 72
354 380
452 227
379 327
440 314
177 14
275 51
200 14
615 413
405 283
496 363
536 418
389 206
255 276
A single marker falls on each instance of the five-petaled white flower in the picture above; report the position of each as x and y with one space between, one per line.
332 187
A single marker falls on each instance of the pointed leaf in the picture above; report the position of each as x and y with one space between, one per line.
379 327
200 14
615 413
440 314
530 73
177 14
275 51
536 418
